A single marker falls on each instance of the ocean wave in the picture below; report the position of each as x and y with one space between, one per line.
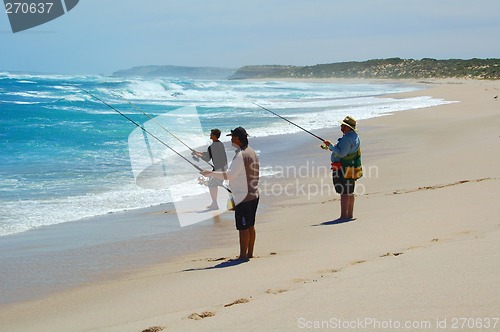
20 102
36 213
32 94
363 108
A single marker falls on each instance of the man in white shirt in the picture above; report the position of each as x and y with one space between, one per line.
243 176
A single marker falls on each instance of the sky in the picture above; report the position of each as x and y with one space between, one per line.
103 36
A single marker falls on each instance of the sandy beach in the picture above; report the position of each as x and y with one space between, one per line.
423 252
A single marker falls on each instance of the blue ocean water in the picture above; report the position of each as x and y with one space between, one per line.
65 155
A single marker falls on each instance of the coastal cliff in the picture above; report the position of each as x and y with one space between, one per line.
392 68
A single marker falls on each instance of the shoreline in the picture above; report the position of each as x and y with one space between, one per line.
421 232
38 211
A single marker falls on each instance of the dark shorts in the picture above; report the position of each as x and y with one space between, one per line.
244 214
342 186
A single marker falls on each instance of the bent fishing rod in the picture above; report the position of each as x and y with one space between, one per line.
281 117
139 126
193 151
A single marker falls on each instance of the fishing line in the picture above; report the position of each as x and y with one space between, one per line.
138 125
161 126
281 117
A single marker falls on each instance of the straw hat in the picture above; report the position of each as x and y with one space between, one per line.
349 122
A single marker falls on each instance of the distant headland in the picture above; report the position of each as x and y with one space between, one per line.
393 68
177 71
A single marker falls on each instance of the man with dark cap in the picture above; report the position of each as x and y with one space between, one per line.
243 176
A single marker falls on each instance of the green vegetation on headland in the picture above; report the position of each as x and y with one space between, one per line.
392 68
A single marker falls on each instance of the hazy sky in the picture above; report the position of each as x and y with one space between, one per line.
102 36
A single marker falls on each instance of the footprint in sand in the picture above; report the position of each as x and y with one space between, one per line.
304 281
239 301
208 259
216 259
276 291
154 329
333 271
358 262
392 254
203 315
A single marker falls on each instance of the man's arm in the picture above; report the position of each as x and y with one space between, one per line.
342 148
237 166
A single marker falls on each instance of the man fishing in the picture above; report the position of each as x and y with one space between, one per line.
346 165
243 176
217 153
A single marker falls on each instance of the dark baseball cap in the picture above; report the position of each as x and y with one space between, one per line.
240 132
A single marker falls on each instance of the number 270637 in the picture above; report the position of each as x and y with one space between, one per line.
28 8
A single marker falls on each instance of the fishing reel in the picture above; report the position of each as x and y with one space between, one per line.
325 147
203 180
194 156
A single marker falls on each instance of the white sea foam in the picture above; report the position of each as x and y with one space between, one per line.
359 108
32 94
20 102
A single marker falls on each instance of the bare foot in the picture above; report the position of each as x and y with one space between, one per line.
241 258
212 207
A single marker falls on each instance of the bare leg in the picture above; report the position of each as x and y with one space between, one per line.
244 241
344 204
350 206
251 242
213 195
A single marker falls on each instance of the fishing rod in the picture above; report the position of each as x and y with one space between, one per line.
139 126
146 131
296 125
193 151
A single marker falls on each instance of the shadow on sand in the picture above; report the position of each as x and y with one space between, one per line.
336 222
225 264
